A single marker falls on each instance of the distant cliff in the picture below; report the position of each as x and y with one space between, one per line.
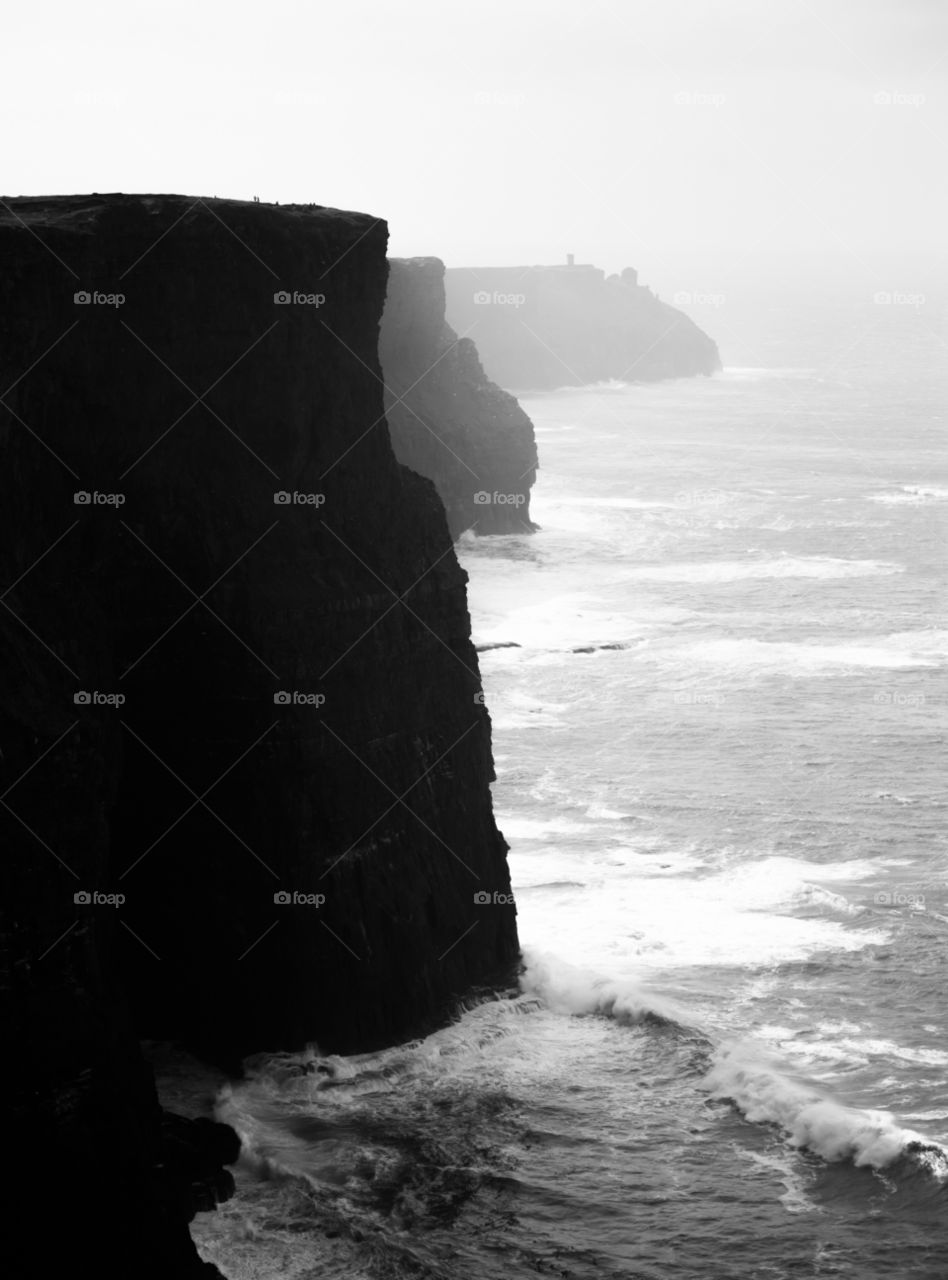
245 759
448 420
561 326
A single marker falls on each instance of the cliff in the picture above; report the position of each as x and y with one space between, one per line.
245 760
562 326
448 421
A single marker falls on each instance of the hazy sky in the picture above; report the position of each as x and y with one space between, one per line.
506 131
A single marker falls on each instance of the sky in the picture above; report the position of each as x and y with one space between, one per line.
656 134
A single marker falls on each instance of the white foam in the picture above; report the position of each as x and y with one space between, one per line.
638 911
765 1094
603 812
794 1198
809 656
912 495
714 571
569 989
755 373
519 827
616 504
814 896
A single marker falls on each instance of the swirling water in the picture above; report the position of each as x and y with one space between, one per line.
719 729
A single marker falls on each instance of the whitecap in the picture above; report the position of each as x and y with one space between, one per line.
764 1093
715 571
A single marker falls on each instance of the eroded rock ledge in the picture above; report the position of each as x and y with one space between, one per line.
300 713
448 420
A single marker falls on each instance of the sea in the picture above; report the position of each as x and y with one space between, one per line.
718 681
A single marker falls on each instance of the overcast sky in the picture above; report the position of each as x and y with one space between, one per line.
506 131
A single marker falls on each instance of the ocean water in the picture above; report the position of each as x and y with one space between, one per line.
719 727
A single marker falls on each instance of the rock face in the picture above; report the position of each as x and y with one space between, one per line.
448 421
245 759
564 326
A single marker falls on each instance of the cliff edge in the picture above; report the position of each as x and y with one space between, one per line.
448 420
245 757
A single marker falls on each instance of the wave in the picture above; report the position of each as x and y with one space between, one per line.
912 494
566 989
746 1076
812 897
794 1198
743 1074
754 373
616 504
784 567
806 655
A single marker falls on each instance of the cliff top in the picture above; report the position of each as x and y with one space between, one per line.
74 211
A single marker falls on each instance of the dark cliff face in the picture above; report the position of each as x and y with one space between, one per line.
448 421
564 326
213 697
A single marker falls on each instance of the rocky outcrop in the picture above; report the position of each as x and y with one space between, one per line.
245 759
562 326
448 421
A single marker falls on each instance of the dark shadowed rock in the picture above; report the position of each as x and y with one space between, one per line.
288 816
448 420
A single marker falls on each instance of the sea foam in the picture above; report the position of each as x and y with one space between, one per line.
745 1075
